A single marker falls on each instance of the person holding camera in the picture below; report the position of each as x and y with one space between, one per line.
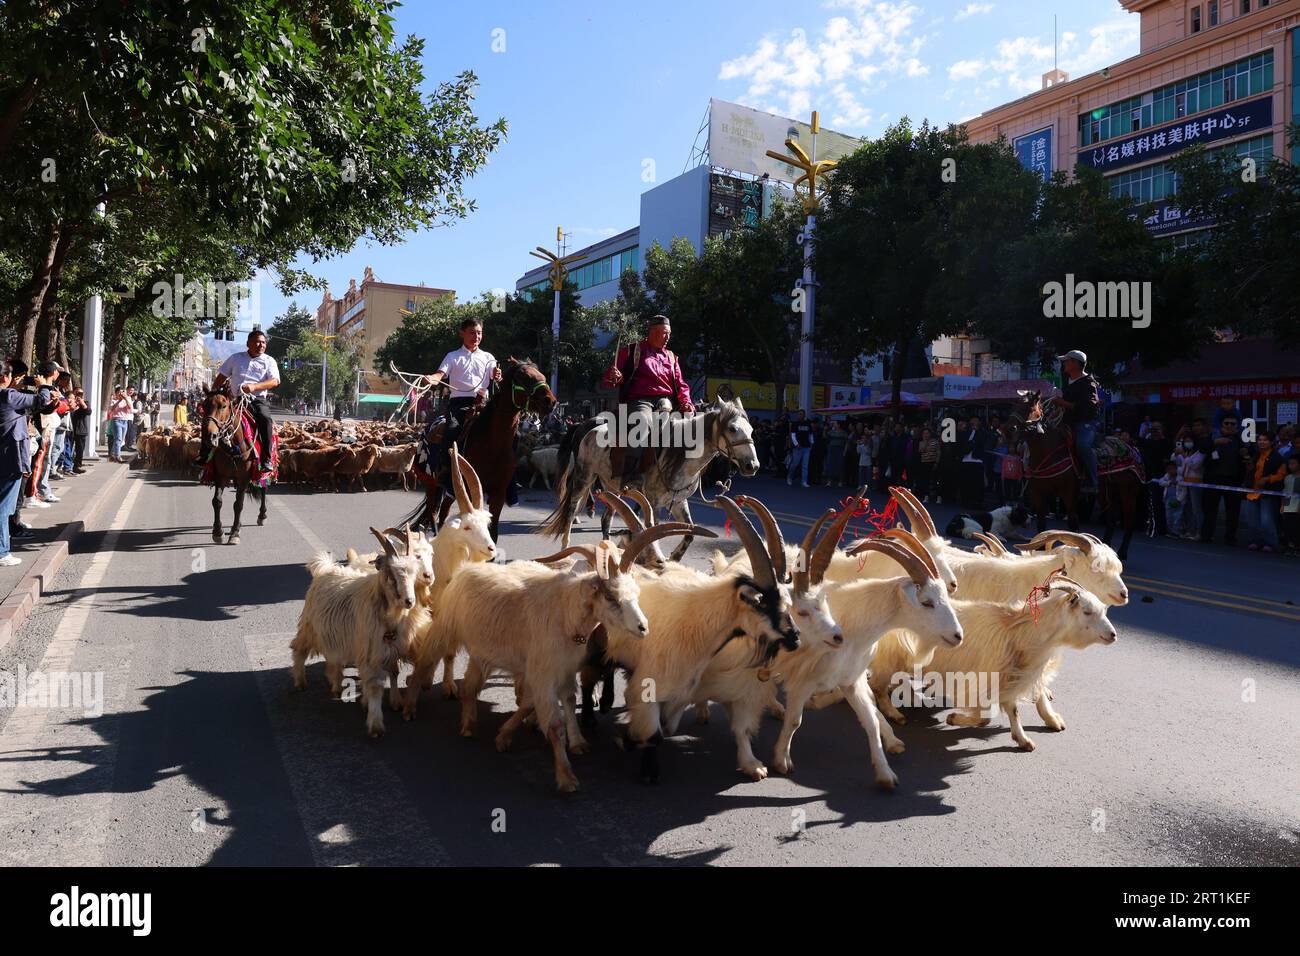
120 416
16 444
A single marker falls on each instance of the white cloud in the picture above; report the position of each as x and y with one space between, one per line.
972 10
853 54
1020 62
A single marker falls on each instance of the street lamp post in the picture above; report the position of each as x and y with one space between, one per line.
559 269
812 171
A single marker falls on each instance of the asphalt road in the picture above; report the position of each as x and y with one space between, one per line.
1179 748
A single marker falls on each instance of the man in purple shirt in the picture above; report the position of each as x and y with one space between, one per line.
648 378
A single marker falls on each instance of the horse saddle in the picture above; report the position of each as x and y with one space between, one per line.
1113 455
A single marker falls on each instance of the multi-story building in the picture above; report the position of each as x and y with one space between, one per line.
373 309
1217 73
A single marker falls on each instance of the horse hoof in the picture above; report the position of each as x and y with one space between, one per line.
234 539
216 537
260 522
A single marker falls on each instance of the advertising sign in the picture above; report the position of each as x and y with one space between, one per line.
1204 391
1221 124
959 386
761 396
739 138
1034 150
733 203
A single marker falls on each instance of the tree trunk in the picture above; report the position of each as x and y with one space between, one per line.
47 327
114 323
29 310
15 111
61 340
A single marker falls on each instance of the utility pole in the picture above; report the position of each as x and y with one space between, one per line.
92 372
812 171
559 269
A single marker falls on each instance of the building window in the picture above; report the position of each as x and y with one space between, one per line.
1213 12
1196 19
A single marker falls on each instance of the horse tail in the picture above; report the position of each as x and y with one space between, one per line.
572 474
417 517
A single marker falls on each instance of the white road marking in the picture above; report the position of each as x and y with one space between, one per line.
32 735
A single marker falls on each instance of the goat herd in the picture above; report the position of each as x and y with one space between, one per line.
819 622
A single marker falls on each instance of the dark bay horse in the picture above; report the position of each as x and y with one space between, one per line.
488 444
233 462
1050 471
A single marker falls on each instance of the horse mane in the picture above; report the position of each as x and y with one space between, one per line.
480 422
673 459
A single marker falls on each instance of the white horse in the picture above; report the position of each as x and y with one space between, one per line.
670 481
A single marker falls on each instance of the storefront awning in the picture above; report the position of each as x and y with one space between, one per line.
379 399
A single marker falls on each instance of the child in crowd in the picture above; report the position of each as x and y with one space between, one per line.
1173 504
1291 505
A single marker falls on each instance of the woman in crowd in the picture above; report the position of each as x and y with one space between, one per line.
1291 505
1267 473
836 438
120 416
928 449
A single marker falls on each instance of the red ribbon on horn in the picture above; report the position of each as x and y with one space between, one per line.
1037 591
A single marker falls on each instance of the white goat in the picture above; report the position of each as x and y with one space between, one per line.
545 463
730 676
1081 557
872 564
534 622
1006 650
366 618
692 617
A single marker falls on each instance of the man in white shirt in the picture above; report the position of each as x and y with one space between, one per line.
468 370
253 373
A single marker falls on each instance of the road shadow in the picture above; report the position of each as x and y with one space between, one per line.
217 594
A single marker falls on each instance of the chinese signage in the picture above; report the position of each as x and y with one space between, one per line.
733 203
739 138
1035 152
761 396
1286 413
1198 392
845 396
1221 124
959 386
1167 217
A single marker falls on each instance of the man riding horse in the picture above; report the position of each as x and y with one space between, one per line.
468 370
251 373
649 380
1080 401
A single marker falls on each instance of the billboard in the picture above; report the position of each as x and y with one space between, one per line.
761 396
1034 150
739 138
733 203
1221 124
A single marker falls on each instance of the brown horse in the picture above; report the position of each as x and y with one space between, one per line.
233 460
1050 473
487 443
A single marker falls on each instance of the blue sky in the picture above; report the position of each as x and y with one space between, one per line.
591 91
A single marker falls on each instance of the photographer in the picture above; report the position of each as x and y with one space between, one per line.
15 443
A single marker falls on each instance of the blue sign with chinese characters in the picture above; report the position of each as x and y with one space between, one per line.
1034 150
1221 124
1167 217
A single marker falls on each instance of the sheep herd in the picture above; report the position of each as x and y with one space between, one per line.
819 623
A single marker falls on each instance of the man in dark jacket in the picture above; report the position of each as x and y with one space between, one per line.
1080 401
16 445
1226 466
80 430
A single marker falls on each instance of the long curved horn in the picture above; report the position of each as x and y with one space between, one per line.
647 509
619 507
472 483
995 546
912 543
825 549
771 530
458 483
586 550
1048 538
384 542
760 561
643 540
910 562
409 540
917 514
801 577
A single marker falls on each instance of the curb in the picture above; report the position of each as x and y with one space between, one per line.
17 607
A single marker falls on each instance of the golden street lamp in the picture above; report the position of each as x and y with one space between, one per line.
813 170
558 270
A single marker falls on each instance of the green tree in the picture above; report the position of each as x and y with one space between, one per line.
301 376
913 222
287 330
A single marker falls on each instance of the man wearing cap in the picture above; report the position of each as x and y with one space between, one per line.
648 378
1080 401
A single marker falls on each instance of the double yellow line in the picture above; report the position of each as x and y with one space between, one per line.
1188 592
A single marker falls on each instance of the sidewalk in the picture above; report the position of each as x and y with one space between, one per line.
81 498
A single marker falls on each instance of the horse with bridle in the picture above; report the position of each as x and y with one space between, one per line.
228 432
1051 470
486 442
587 456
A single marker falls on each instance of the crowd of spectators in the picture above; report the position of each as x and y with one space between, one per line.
44 427
980 468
